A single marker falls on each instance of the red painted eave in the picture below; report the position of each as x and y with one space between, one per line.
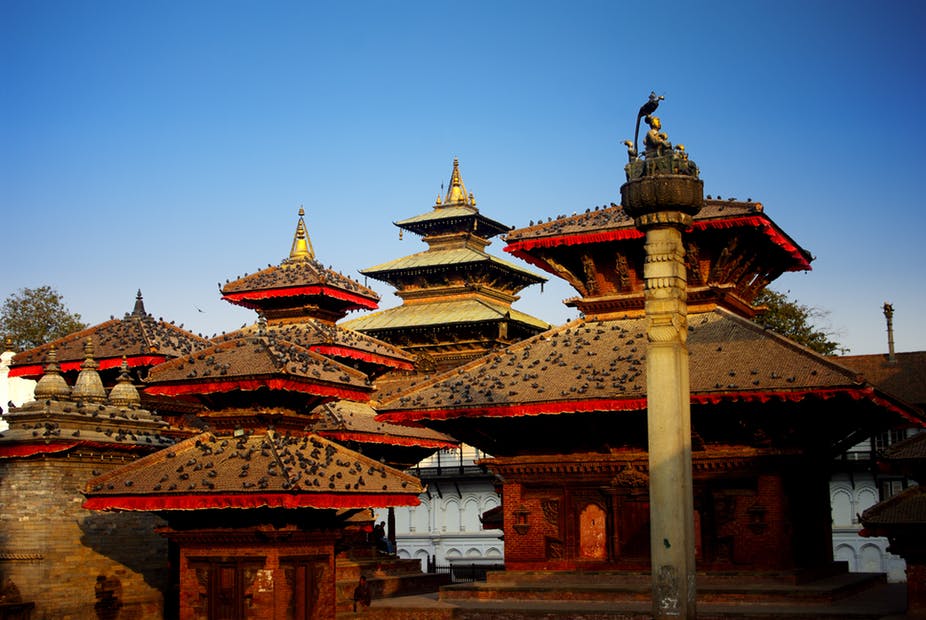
213 387
364 356
386 439
210 501
35 371
249 298
522 248
412 416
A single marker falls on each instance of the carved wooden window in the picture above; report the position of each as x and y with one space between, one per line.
303 579
225 587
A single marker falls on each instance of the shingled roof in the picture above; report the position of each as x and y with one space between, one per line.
332 341
252 362
434 313
904 377
903 510
457 258
264 469
591 365
352 421
142 339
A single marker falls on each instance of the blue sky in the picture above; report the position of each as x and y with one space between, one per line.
167 146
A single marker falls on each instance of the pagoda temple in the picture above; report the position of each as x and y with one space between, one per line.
564 412
300 301
259 504
456 298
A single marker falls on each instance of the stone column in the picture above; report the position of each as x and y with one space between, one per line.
672 539
662 194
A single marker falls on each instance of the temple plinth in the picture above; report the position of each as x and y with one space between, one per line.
662 193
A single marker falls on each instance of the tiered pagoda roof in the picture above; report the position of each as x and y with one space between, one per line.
456 297
365 353
143 340
265 469
257 380
300 286
593 372
354 424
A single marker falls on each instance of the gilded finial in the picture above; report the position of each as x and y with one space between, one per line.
124 394
456 193
302 245
89 386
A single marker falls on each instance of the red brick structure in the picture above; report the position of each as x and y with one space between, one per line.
563 413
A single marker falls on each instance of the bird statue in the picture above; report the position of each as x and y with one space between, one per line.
645 110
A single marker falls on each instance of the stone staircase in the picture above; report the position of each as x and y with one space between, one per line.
387 575
523 595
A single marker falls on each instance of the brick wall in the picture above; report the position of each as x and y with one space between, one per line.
53 550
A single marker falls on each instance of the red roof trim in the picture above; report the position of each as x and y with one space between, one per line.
37 370
244 297
211 387
20 450
519 248
364 356
386 439
709 398
205 501
511 411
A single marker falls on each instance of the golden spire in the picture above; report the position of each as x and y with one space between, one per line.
302 245
456 193
89 386
52 385
124 394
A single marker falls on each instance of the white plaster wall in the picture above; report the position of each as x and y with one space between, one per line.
15 389
849 498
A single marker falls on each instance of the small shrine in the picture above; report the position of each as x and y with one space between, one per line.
138 338
456 298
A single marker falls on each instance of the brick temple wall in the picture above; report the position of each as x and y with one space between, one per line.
54 550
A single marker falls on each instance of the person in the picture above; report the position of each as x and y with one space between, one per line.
379 536
387 543
362 593
9 593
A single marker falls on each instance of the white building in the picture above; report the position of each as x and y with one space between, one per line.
14 390
447 526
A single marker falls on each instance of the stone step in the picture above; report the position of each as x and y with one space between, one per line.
386 586
636 587
874 603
